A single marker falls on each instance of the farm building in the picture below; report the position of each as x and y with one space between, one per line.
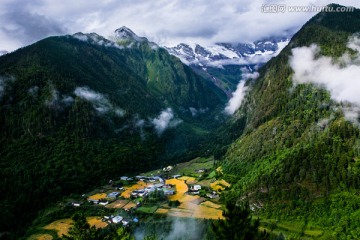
113 195
195 188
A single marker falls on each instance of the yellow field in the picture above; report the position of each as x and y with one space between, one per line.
62 226
117 204
181 188
189 209
96 221
129 205
162 211
189 198
137 186
219 185
224 183
207 212
188 205
98 196
211 204
188 180
176 212
40 237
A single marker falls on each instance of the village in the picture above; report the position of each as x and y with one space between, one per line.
189 190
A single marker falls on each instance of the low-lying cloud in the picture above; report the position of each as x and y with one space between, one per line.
99 101
5 84
180 229
185 229
195 112
55 101
166 119
240 92
96 39
339 76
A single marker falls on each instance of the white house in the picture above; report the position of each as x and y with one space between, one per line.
117 219
104 203
195 187
168 168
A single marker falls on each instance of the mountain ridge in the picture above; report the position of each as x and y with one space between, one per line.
222 63
79 110
297 157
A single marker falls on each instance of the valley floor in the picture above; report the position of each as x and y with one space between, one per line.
192 191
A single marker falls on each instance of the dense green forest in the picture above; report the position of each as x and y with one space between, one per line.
74 114
298 157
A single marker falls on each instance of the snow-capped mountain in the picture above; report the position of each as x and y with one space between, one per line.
123 38
125 33
220 54
225 63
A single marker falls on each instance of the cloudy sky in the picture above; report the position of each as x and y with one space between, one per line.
164 21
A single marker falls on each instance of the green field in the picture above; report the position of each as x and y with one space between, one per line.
147 209
294 229
188 168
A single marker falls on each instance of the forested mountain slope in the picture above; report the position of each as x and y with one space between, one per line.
78 110
298 157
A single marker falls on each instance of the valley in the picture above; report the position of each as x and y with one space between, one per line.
119 138
131 206
171 194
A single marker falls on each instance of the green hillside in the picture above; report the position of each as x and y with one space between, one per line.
76 111
298 157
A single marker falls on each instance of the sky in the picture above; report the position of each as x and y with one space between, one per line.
167 22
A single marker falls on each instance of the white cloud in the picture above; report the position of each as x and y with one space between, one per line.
90 95
68 100
351 113
236 100
55 100
99 101
33 90
5 84
240 92
339 76
161 21
194 112
165 120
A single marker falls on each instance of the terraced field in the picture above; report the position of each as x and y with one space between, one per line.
190 205
62 226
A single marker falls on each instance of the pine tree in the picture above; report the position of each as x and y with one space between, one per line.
81 229
238 224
